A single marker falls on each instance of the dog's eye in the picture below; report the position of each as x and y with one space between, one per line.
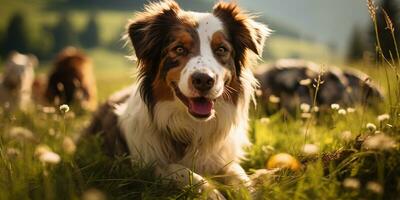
180 50
221 51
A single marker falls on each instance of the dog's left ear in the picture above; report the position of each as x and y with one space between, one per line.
244 32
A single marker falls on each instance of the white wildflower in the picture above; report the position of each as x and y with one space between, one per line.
21 133
305 107
49 157
383 117
335 106
265 120
305 115
389 125
64 108
48 110
69 145
346 136
12 152
342 112
315 109
351 183
310 149
379 142
374 187
259 92
371 126
274 99
351 110
305 82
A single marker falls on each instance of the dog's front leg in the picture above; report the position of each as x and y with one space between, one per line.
183 176
235 175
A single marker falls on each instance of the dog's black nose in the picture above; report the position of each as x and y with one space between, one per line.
202 82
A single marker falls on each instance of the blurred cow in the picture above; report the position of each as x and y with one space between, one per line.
72 80
288 83
17 80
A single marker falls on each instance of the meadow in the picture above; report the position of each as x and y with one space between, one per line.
339 155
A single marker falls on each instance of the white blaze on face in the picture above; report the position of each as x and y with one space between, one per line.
205 62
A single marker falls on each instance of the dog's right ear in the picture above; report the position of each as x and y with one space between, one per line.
148 30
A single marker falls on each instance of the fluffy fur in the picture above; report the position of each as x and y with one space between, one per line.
72 80
17 80
173 119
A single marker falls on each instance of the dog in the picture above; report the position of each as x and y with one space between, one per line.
188 113
71 81
294 82
17 80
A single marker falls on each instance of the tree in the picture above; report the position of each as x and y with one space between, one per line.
63 33
356 46
16 36
385 36
90 36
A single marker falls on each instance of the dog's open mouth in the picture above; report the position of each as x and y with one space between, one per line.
199 107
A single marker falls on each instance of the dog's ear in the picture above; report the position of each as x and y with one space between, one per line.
244 32
149 28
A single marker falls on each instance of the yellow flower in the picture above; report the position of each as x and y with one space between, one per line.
93 194
50 157
283 161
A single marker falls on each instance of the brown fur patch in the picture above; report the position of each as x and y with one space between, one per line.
72 80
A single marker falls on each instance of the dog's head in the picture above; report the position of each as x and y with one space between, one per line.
19 71
194 58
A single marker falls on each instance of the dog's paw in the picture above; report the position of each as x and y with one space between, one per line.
214 194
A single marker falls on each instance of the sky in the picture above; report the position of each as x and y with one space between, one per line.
327 21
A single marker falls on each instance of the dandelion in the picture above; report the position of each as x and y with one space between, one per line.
21 133
93 194
374 187
379 142
306 115
69 145
351 110
310 149
346 136
305 82
305 107
351 183
274 99
265 120
371 126
383 117
335 106
342 112
64 108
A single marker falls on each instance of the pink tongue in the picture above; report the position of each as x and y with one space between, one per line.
200 107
